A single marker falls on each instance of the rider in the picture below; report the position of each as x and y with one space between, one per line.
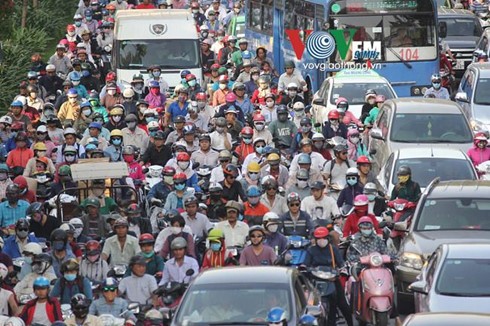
326 254
139 286
15 243
334 127
370 98
254 210
177 224
319 205
159 192
217 255
175 268
273 238
80 307
480 152
406 188
110 303
377 203
235 231
296 221
436 89
92 266
257 254
154 263
352 189
71 283
41 267
361 203
113 246
347 117
42 310
175 199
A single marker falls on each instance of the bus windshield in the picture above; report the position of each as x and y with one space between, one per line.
169 54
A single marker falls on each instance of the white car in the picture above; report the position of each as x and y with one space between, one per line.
351 84
427 163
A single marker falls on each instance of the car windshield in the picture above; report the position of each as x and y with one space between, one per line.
424 170
169 54
464 277
430 128
355 92
237 303
454 214
462 26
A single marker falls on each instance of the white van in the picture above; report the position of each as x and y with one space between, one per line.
146 37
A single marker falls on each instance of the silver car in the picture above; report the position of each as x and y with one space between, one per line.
455 279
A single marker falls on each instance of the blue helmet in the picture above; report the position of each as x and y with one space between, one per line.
307 320
104 12
95 125
90 147
41 282
4 167
184 73
304 159
17 103
246 55
85 105
88 12
154 83
253 191
74 76
276 315
72 91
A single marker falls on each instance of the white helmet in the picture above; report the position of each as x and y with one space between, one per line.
292 85
77 16
298 106
153 124
14 321
6 119
128 92
76 222
352 171
33 248
3 271
155 170
270 217
317 136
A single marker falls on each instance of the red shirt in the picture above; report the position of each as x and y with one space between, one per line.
350 226
253 214
143 6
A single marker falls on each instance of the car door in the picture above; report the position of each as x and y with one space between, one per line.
384 176
319 111
381 146
428 275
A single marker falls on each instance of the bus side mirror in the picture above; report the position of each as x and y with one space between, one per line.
442 29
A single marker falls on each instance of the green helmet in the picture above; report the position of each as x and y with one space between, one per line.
215 235
92 202
64 170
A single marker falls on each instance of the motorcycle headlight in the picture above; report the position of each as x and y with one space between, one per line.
411 260
376 260
399 207
323 275
296 243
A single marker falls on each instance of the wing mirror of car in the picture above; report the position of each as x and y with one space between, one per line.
461 96
189 272
372 152
376 134
319 101
315 311
401 226
418 287
166 313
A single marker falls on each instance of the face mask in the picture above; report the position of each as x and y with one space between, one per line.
155 74
351 182
138 87
260 126
354 140
254 176
299 114
371 197
192 83
220 129
37 268
306 129
58 245
334 123
116 142
253 200
70 159
88 18
436 85
180 187
259 150
175 230
116 118
168 180
70 277
302 184
215 246
3 176
75 82
22 234
87 112
247 140
71 33
270 104
77 232
366 233
132 125
111 92
155 91
273 228
182 99
318 145
148 255
28 260
222 86
72 100
201 105
128 159
322 243
403 178
183 165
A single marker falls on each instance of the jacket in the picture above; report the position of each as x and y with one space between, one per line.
348 194
53 311
159 191
409 191
478 155
11 247
302 227
19 157
350 226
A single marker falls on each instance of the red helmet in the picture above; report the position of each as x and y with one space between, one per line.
92 245
258 117
480 136
363 160
201 96
70 28
333 115
365 219
320 232
247 131
146 238
223 78
111 76
194 5
183 156
215 66
230 97
180 177
361 200
168 171
190 77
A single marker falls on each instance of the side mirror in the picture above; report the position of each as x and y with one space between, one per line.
442 29
376 134
319 101
418 287
189 272
372 152
134 306
166 313
461 96
401 226
315 311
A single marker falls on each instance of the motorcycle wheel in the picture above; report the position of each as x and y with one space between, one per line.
380 318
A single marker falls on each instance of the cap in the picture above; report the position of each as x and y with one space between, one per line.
233 205
318 185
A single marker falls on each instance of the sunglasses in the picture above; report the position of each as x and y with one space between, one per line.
109 289
23 229
343 153
351 178
294 205
253 173
224 161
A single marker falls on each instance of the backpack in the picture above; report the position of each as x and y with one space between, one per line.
332 164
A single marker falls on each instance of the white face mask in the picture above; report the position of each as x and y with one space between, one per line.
183 165
254 176
354 140
86 112
273 228
111 92
222 86
77 232
302 184
143 109
270 104
259 127
71 33
75 82
116 118
322 243
176 229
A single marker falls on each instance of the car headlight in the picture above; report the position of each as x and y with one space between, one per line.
411 260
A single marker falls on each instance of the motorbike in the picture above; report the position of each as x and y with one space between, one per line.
483 170
298 246
66 312
371 293
402 213
323 278
446 80
118 271
110 320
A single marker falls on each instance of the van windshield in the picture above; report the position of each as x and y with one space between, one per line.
168 54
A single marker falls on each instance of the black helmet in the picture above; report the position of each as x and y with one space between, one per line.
171 214
13 188
370 92
305 122
22 224
59 235
340 148
79 305
35 207
190 200
42 258
70 265
282 109
404 170
137 260
231 169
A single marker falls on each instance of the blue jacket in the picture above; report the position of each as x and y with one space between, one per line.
348 194
66 290
11 247
159 191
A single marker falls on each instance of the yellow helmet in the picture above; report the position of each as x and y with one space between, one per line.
253 167
40 147
116 133
116 111
273 157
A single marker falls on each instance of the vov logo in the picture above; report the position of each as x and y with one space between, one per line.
321 45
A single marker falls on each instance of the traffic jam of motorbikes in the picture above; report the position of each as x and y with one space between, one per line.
159 176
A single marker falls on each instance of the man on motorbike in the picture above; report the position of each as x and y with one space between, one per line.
377 203
406 188
14 244
71 282
257 254
60 250
110 303
436 89
327 254
361 203
205 155
177 224
352 189
80 307
154 263
271 197
296 221
139 286
335 170
42 310
273 238
92 266
235 231
198 222
120 247
254 210
217 255
480 152
29 252
176 268
319 205
41 267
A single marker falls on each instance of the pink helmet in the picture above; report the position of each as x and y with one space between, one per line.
365 219
361 200
230 97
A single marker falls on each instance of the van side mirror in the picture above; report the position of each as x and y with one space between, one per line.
319 101
418 287
376 134
401 226
442 29
461 96
315 311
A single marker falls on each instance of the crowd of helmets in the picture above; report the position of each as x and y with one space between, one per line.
237 148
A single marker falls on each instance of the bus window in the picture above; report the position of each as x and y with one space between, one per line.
260 15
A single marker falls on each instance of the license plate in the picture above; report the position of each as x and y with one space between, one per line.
459 64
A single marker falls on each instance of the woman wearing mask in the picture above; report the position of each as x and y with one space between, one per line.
113 96
135 169
259 129
40 151
245 148
252 175
356 147
70 110
175 198
259 95
177 224
155 98
92 266
217 255
155 73
352 188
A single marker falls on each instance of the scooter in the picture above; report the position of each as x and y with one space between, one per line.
402 213
373 298
483 170
298 246
323 278
118 271
110 320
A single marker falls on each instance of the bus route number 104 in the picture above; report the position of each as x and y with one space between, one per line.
409 54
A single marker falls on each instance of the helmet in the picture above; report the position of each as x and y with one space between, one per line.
363 160
258 118
215 235
204 137
436 78
42 258
339 148
224 154
307 320
223 79
131 118
253 191
361 200
269 182
201 96
178 243
59 235
305 122
480 136
370 93
70 149
190 77
35 207
304 142
184 73
404 170
146 238
273 158
230 97
79 301
168 171
304 158
183 156
352 172
365 220
289 64
92 247
180 177
33 248
128 150
298 106
190 200
293 196
153 317
189 129
121 222
282 109
333 115
32 88
342 104
69 265
231 169
270 217
370 188
317 136
270 95
276 315
137 260
41 282
320 232
110 282
68 228
215 187
22 224
256 228
247 131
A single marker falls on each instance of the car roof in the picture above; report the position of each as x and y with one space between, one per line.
448 12
466 250
410 105
431 152
459 189
355 76
253 274
482 68
447 319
